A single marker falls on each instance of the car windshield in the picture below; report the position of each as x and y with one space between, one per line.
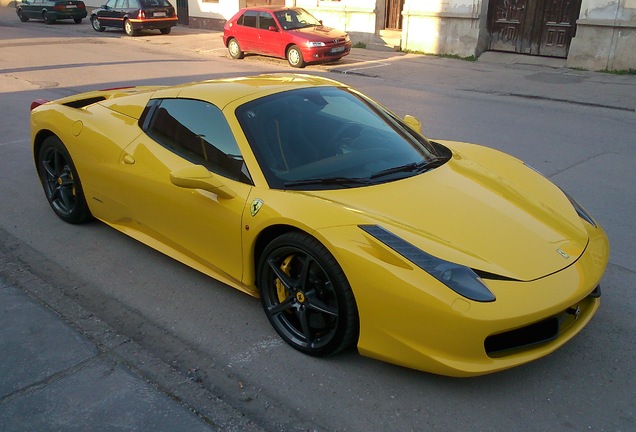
329 137
292 19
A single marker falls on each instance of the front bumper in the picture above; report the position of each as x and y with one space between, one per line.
410 319
327 53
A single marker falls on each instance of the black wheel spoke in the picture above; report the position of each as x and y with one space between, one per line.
315 304
286 305
66 198
287 282
303 318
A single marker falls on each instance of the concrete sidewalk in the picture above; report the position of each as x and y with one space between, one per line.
62 369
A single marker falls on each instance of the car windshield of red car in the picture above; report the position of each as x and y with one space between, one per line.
155 3
292 19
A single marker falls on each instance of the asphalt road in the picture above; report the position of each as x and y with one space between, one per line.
221 337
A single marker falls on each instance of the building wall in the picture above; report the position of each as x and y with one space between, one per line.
442 27
605 36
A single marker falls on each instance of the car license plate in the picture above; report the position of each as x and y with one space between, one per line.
71 6
159 14
337 49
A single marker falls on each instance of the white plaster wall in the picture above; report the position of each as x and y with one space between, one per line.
605 36
441 27
223 10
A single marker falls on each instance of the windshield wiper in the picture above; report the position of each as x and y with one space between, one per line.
418 167
341 181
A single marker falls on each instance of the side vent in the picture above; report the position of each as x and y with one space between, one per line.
81 103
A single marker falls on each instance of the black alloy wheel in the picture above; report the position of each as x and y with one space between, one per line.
61 183
47 18
306 295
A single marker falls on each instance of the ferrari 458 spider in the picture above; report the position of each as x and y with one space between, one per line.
351 226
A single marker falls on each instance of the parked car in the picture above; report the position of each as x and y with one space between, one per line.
284 32
350 225
135 15
50 11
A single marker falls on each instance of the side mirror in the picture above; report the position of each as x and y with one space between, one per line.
413 123
198 177
320 21
273 28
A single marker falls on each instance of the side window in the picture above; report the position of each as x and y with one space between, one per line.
120 4
197 131
111 3
266 20
248 19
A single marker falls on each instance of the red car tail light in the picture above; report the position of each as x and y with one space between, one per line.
141 15
36 103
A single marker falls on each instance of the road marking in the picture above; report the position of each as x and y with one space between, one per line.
257 349
379 64
13 142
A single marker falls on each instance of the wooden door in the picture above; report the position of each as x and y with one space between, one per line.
393 16
541 27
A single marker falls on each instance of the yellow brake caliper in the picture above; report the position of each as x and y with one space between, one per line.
281 291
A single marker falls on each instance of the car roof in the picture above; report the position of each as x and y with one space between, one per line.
221 92
271 8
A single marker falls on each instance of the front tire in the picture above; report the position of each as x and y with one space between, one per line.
129 29
97 26
295 57
22 17
61 183
306 295
234 49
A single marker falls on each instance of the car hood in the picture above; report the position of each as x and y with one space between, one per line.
482 209
320 33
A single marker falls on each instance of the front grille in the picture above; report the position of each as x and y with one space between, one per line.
541 331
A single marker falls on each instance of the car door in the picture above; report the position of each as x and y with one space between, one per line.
33 9
108 15
187 140
270 38
247 32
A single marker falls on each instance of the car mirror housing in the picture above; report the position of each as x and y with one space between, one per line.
198 177
273 28
413 122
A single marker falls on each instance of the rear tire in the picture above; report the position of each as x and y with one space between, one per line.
166 30
129 29
234 49
47 18
77 20
61 182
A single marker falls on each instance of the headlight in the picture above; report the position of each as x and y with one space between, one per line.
461 279
583 214
315 44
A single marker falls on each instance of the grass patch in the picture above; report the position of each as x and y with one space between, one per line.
359 45
451 56
619 72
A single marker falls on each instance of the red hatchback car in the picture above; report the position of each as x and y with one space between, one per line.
285 32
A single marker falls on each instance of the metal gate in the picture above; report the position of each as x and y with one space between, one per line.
541 27
183 13
393 15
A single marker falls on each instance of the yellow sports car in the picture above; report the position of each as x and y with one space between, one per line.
351 227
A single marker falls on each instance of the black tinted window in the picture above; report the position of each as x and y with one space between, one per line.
266 20
198 132
248 19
